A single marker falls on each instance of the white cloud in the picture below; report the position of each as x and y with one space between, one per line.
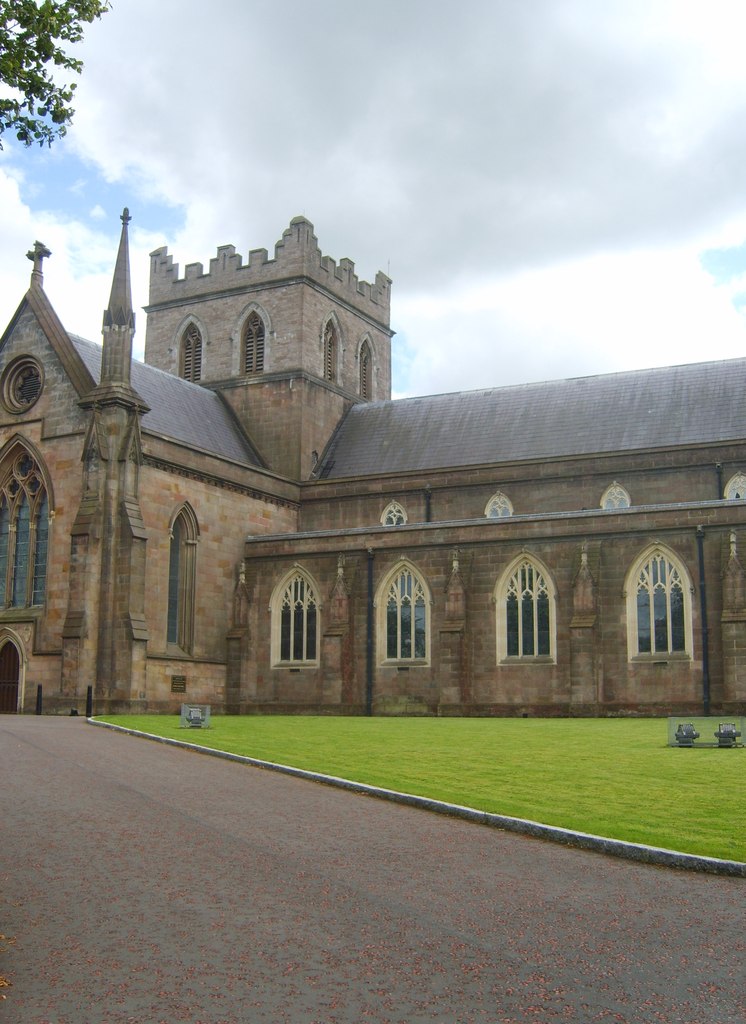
539 179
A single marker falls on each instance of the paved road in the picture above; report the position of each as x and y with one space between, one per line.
143 883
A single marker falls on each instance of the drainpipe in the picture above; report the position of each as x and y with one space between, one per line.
719 471
703 611
428 497
369 640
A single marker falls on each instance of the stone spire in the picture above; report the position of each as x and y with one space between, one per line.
119 318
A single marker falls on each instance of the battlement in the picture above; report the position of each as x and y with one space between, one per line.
297 255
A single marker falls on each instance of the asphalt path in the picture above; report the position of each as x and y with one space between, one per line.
145 883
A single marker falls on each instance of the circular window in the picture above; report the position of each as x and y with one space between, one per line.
21 384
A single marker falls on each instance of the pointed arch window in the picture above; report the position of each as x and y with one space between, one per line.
253 344
331 345
182 562
191 354
659 606
393 515
24 533
295 621
498 507
366 372
404 616
735 489
525 613
615 496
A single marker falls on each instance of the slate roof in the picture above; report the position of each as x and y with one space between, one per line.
179 410
698 404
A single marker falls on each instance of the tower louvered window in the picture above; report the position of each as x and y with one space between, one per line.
191 354
253 344
330 352
366 390
24 534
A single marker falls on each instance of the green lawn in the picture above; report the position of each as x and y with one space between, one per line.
610 777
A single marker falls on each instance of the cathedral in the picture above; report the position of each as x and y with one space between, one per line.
247 520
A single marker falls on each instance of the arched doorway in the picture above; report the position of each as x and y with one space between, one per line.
10 675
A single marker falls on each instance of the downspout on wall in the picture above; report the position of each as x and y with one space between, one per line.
705 632
369 639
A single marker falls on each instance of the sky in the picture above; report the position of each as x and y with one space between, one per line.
556 187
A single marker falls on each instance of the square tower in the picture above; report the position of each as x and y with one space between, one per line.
289 342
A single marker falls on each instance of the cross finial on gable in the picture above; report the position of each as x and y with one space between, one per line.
37 255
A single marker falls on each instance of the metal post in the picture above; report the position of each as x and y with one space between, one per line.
89 702
38 699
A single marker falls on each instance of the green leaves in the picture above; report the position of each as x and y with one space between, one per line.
32 38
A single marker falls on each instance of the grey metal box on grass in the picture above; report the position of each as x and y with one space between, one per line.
195 716
723 731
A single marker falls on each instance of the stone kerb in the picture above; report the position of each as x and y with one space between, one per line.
296 255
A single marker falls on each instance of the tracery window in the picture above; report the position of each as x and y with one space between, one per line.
498 507
366 369
331 344
21 384
615 496
253 344
405 605
182 563
525 612
24 533
735 489
295 621
191 354
659 606
393 515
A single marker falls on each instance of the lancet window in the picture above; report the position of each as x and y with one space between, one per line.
182 564
659 605
406 616
525 606
24 533
295 621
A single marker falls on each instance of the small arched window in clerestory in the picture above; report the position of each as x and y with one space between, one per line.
393 515
190 358
498 507
735 489
615 496
253 344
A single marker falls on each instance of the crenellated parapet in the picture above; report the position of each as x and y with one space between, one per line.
297 255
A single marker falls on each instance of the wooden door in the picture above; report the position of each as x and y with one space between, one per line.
10 667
